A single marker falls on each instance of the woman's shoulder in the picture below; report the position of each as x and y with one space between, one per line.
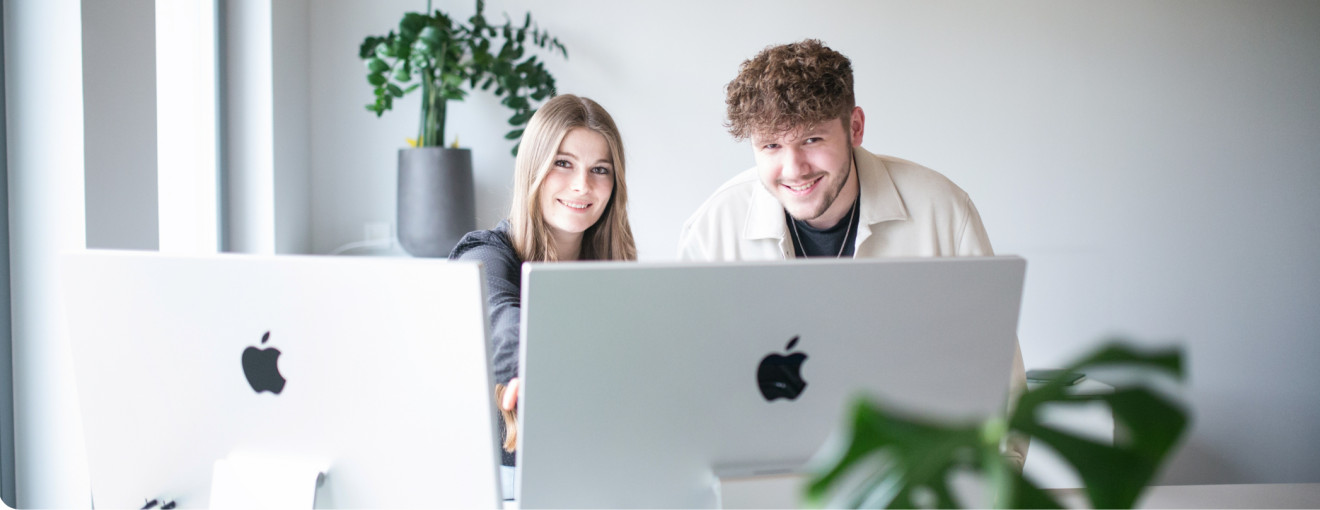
482 242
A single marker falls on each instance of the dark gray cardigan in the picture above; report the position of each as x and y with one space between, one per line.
503 292
503 298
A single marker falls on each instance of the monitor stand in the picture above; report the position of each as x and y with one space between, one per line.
762 485
245 480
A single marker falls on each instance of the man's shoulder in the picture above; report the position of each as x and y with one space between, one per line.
912 178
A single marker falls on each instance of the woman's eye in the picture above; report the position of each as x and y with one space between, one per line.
563 163
600 170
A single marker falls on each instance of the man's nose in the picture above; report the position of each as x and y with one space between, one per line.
795 164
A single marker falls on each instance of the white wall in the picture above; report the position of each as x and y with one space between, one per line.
119 91
187 156
1153 161
44 125
293 187
249 145
268 202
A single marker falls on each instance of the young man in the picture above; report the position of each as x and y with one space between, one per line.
815 192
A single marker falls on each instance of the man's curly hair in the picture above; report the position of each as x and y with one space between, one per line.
788 87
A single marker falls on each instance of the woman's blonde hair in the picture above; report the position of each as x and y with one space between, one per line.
610 238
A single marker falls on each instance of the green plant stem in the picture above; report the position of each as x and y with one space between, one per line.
431 132
437 121
426 112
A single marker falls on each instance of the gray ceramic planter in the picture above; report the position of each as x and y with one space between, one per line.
436 199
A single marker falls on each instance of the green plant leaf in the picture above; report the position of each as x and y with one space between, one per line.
917 456
521 117
516 102
403 73
431 35
1116 475
412 24
513 134
402 48
450 59
420 61
368 46
920 457
384 49
421 46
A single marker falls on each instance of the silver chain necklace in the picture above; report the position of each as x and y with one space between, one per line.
797 238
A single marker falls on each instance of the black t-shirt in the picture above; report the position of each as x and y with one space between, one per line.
827 242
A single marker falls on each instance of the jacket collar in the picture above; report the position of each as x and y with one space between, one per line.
880 199
880 202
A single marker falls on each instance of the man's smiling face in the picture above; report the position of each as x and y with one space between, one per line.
809 169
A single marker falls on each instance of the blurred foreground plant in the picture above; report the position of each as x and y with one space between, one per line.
888 460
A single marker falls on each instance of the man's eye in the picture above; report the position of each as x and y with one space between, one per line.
813 140
770 146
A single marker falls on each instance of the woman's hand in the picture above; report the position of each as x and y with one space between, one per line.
507 397
510 400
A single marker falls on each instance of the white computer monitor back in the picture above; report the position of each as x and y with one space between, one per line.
386 381
641 381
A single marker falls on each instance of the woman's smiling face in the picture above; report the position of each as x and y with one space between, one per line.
577 187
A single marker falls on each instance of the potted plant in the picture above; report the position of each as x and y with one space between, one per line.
445 59
886 459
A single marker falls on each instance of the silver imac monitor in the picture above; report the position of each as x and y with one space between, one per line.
644 383
372 370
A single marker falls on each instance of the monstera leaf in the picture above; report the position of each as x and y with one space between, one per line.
885 459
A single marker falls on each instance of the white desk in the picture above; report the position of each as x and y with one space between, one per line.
1257 495
784 491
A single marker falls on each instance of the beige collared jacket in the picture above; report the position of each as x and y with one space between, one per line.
907 210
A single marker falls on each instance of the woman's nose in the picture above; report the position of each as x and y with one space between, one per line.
580 182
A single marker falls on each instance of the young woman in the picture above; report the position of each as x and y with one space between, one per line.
570 202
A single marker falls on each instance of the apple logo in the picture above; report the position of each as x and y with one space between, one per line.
780 376
261 368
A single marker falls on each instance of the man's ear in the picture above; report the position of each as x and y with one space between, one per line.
857 126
